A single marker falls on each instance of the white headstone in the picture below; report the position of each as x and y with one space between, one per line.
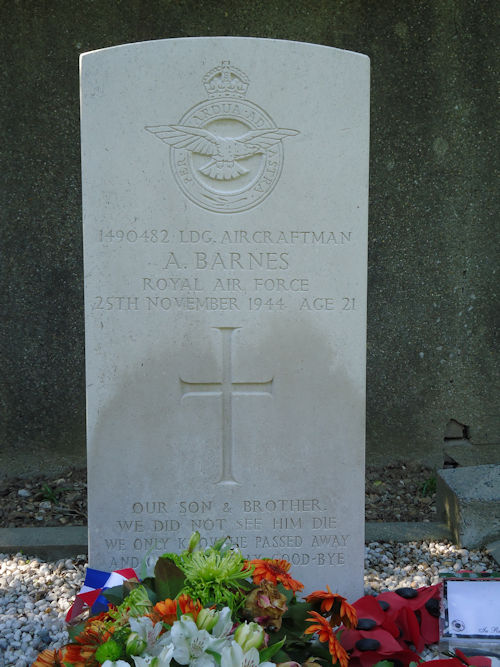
225 185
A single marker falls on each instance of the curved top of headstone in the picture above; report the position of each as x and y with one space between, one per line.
196 42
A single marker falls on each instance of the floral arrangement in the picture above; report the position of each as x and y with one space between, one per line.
214 608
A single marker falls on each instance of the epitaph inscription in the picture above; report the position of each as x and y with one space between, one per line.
225 293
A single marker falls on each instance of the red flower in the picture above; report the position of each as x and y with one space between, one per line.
274 570
419 625
460 660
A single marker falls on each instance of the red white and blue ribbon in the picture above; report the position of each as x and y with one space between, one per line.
90 595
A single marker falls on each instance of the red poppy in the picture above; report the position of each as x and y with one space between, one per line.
275 571
460 660
418 625
476 660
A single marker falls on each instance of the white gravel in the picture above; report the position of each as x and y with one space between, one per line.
35 595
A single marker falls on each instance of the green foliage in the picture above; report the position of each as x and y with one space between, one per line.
215 575
297 646
110 650
269 651
75 630
116 595
168 579
429 486
52 494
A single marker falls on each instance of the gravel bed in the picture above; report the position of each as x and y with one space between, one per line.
35 595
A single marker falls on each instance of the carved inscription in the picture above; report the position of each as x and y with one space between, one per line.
258 276
303 531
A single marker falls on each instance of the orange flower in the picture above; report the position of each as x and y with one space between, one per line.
320 626
79 655
347 614
95 633
275 571
326 598
189 606
341 610
323 629
166 610
47 658
81 652
338 652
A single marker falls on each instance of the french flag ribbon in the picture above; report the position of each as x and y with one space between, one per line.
90 594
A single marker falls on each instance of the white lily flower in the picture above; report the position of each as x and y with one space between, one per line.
144 661
161 660
233 656
224 624
190 644
150 632
146 630
115 663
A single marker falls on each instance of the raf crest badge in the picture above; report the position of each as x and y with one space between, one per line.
226 152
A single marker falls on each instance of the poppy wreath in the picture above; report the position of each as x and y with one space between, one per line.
390 623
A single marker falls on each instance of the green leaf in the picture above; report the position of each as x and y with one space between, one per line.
245 585
75 630
268 652
289 595
321 651
297 614
169 579
116 594
149 583
281 656
215 655
152 595
219 544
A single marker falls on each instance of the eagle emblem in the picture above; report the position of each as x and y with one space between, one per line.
225 152
243 145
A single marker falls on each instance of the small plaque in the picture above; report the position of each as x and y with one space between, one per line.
471 608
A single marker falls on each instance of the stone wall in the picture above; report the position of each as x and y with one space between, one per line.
431 336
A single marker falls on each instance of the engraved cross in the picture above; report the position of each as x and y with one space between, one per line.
226 389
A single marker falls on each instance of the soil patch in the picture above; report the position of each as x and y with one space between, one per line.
397 492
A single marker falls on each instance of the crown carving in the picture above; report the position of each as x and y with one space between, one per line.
226 81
